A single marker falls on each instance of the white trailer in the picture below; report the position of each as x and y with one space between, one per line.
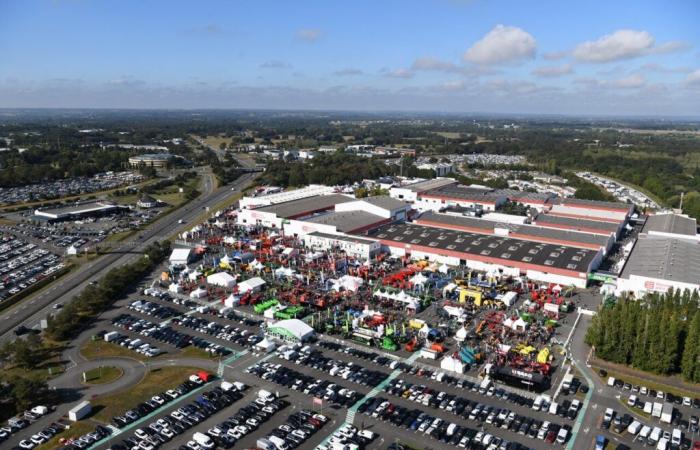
656 409
79 411
667 413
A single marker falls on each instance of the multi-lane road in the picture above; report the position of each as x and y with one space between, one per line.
30 311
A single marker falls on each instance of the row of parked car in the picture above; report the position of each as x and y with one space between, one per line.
153 309
290 378
348 437
21 421
22 265
299 427
242 337
419 421
497 416
163 430
645 434
309 357
643 390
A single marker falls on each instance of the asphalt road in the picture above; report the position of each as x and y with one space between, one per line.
32 310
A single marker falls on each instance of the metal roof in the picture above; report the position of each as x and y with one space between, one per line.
664 258
426 185
386 202
508 249
306 205
527 230
466 193
671 223
595 203
341 237
527 196
346 221
577 223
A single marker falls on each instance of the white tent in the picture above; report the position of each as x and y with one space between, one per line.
452 364
419 279
222 279
199 293
283 272
347 282
194 275
175 288
232 300
461 335
256 265
180 256
225 260
251 285
230 240
443 268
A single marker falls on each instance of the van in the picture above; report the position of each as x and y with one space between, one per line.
676 437
654 436
265 395
203 440
611 381
644 433
663 444
553 408
278 443
538 403
265 444
634 428
562 435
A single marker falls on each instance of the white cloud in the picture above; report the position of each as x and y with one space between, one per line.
623 44
453 86
631 82
432 63
554 56
553 71
400 73
501 45
309 34
693 78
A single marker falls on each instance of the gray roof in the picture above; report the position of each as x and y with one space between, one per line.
344 238
508 249
302 206
347 221
466 193
526 196
595 203
664 258
386 202
426 185
576 223
527 231
671 223
80 208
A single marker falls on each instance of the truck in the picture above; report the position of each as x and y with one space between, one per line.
111 336
79 411
667 413
566 382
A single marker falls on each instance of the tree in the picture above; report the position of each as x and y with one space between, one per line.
690 368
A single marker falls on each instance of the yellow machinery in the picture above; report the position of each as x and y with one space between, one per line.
543 356
474 295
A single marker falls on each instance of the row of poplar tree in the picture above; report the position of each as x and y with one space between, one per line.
659 333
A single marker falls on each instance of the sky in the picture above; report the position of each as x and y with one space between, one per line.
620 57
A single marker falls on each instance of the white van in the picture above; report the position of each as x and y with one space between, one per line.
554 408
563 434
279 443
538 403
634 428
265 395
644 433
611 381
663 444
676 437
203 440
654 436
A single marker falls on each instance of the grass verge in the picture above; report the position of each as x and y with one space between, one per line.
155 382
100 349
103 375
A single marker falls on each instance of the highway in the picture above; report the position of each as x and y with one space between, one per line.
30 311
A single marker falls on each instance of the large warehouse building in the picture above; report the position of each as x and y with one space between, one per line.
493 254
614 212
526 232
666 255
578 224
78 211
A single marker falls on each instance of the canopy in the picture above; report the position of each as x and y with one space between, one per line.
198 293
419 279
222 279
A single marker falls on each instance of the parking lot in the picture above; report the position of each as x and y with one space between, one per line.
23 264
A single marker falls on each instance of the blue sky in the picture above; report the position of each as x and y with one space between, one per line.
592 57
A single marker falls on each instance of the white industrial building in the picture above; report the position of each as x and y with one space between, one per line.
440 169
221 279
666 255
354 246
180 257
410 191
457 195
311 190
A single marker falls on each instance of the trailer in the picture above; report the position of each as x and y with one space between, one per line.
79 411
111 336
656 409
667 412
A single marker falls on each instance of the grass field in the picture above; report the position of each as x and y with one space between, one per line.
101 349
51 365
215 141
77 429
103 375
155 382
